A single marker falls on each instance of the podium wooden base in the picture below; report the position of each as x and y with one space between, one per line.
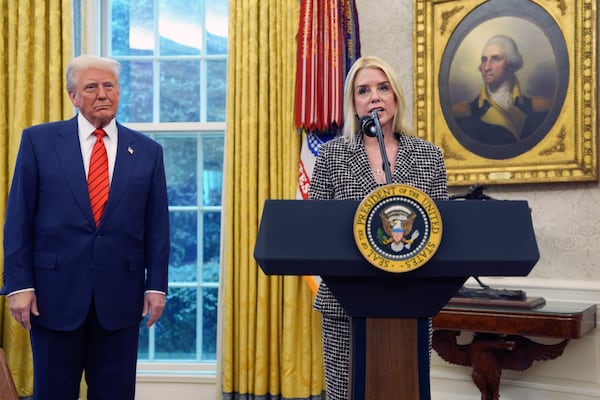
390 359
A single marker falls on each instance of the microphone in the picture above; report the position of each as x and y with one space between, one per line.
367 125
370 126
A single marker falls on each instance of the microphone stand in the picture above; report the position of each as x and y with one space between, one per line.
384 159
371 126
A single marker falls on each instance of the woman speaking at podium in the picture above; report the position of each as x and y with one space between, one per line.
352 165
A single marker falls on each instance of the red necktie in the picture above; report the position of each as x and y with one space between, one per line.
98 176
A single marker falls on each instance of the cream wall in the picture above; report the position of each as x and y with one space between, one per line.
566 219
566 216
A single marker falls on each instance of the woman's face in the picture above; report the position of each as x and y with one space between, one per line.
373 91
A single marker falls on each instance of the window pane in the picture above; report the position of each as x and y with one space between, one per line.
216 88
132 27
184 246
136 91
209 323
176 328
212 170
211 237
210 272
181 167
179 91
180 27
174 67
216 27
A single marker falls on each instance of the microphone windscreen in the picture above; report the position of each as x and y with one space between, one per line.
367 126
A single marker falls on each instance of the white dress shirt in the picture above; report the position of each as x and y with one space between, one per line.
87 140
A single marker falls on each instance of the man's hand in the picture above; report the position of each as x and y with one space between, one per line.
155 304
22 305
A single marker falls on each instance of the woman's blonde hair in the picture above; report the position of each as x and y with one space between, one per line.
350 117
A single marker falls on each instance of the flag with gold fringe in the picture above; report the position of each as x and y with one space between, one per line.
328 44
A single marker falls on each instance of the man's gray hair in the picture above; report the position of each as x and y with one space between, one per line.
511 51
87 61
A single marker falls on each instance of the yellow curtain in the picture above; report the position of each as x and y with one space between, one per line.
271 336
36 46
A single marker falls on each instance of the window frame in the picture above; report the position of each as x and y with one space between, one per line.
181 371
94 40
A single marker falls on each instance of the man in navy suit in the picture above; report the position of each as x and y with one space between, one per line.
82 287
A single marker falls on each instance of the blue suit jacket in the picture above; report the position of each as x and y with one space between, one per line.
51 242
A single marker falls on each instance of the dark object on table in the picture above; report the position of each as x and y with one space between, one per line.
475 192
486 292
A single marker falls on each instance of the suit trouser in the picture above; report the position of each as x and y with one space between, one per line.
108 357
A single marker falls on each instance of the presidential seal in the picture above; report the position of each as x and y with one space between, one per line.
397 228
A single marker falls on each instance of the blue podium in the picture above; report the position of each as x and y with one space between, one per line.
390 312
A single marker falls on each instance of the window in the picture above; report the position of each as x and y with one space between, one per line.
173 83
187 329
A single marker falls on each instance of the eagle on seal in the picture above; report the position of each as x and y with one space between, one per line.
397 222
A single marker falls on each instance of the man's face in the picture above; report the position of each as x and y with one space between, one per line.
96 94
494 66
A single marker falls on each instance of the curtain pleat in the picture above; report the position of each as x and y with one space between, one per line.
271 337
36 45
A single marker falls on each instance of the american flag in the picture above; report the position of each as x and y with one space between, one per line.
328 44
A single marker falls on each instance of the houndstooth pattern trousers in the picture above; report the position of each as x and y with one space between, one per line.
336 352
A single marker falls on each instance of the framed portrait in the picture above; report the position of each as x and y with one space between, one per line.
507 88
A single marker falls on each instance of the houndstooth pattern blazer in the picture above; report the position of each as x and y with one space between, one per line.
342 172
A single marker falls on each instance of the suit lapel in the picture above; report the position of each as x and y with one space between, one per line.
123 168
68 150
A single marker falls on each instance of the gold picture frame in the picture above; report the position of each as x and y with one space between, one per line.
557 40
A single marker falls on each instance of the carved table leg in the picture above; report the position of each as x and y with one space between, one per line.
488 354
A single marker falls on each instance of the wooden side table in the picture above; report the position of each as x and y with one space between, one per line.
499 340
